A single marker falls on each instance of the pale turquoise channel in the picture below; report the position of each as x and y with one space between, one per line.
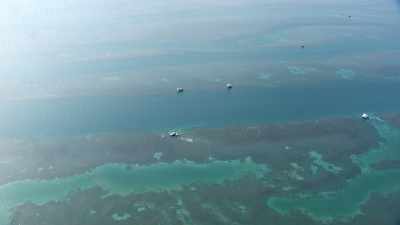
122 180
345 203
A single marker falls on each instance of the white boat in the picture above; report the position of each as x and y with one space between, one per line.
173 134
229 86
364 116
179 90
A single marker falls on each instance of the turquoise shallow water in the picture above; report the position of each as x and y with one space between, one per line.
119 217
346 203
123 179
318 163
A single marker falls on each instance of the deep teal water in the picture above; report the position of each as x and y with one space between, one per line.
209 108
